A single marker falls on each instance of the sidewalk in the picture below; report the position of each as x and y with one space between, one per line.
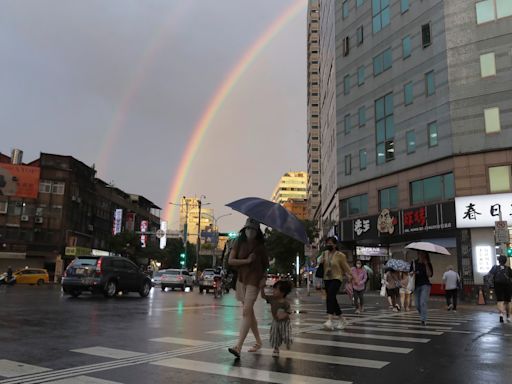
437 301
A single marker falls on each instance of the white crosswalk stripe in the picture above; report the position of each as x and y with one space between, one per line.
83 380
181 341
393 330
244 373
9 368
371 336
342 344
108 352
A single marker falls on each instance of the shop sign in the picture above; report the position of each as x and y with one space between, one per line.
130 222
361 226
431 217
371 251
143 229
118 218
484 258
501 232
77 251
483 210
386 222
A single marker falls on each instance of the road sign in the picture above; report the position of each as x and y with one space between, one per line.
501 231
160 233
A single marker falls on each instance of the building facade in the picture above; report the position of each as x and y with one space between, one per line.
57 209
313 110
189 214
292 185
423 118
299 207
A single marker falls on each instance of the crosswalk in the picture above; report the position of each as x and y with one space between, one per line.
371 342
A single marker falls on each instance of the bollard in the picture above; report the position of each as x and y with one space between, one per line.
481 299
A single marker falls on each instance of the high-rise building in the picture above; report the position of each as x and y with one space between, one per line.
189 213
292 185
416 139
313 110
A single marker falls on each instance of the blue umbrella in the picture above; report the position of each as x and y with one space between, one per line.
272 215
398 265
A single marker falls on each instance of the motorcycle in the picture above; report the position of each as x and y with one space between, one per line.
218 287
6 281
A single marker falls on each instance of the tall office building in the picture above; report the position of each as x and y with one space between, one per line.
416 142
313 111
189 213
292 185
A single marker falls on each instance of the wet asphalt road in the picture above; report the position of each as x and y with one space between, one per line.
181 337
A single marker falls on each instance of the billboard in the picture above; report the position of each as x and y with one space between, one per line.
144 224
19 180
118 219
130 222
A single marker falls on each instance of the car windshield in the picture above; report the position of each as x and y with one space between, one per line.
208 272
85 261
158 273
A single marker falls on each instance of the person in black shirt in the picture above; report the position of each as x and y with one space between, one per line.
422 269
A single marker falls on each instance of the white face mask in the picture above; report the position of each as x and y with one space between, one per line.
250 233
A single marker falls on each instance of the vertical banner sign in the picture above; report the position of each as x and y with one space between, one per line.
118 218
163 240
130 222
143 229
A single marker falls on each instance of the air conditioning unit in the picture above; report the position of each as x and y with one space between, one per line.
38 220
24 217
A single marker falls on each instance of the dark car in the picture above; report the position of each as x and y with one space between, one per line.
104 274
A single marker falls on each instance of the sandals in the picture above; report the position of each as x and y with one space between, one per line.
234 351
255 348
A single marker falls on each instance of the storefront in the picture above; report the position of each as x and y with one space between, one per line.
486 219
388 233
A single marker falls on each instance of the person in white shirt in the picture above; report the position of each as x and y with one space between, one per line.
451 280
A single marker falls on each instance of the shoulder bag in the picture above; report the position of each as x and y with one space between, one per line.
412 279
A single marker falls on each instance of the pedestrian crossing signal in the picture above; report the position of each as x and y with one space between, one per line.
509 250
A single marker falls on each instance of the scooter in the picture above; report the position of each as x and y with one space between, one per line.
4 280
217 287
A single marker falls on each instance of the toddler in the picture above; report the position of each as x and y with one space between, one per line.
281 330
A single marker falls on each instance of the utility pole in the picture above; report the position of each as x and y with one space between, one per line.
185 228
198 236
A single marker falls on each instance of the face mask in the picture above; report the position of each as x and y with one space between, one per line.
250 233
329 247
358 265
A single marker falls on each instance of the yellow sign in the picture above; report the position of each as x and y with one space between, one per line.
78 251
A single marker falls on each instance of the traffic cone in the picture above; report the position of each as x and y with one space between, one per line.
481 300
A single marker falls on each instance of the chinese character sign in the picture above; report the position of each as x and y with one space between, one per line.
361 226
143 229
118 218
484 259
483 210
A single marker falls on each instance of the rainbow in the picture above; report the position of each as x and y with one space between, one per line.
220 96
157 43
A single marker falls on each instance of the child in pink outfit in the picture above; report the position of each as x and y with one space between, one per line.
358 285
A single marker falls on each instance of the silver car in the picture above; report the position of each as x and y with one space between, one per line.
176 278
157 276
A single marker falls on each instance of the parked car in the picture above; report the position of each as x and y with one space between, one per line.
157 277
176 278
104 274
31 276
206 280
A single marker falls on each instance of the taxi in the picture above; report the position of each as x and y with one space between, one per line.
32 276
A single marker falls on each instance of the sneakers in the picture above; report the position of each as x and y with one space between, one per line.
329 325
395 310
450 307
358 311
423 323
501 319
341 324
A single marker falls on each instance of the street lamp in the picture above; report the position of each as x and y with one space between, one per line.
185 226
199 204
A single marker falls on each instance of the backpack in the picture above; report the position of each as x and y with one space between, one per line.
502 275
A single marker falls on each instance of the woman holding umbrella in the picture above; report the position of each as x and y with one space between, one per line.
249 256
335 267
422 269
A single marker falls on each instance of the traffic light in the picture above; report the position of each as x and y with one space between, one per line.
509 250
233 235
182 259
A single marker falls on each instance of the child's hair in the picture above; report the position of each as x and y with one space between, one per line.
285 286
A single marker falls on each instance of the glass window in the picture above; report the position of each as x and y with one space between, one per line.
360 75
487 64
345 9
388 198
380 14
492 120
406 47
432 134
348 164
58 187
362 115
499 179
503 8
346 84
359 3
485 11
404 5
362 159
410 137
433 189
430 85
360 35
408 93
356 205
348 124
45 186
382 62
384 129
426 35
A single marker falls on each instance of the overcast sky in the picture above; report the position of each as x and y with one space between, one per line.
73 71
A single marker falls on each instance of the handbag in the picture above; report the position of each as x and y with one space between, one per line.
412 279
383 289
319 273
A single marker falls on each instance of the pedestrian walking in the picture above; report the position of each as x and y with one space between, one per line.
422 271
405 291
392 279
502 280
249 256
451 280
359 278
281 329
335 268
